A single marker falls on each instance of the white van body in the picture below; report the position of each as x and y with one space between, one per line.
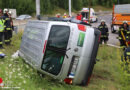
60 49
93 17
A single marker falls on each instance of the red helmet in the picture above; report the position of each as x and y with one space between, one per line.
1 11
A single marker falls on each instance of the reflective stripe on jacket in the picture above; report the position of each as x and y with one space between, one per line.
1 25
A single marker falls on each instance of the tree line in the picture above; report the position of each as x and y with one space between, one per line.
47 6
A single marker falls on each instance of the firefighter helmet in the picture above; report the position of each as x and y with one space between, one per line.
6 10
102 21
125 22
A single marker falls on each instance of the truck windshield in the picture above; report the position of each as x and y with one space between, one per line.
56 49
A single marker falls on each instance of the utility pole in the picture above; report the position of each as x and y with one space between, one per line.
89 10
38 9
118 2
70 8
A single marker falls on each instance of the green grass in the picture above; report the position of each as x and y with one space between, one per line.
107 74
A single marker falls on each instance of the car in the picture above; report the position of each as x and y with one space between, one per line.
63 50
23 17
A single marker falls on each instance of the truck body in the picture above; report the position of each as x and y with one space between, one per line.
120 13
85 13
62 50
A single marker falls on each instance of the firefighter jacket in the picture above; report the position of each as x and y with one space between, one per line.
125 31
104 30
2 21
8 25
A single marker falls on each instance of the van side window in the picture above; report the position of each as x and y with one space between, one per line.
56 49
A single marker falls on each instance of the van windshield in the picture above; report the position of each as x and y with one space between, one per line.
56 49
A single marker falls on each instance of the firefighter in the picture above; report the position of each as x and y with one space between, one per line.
79 16
58 15
126 56
2 27
128 36
65 15
8 28
124 34
104 32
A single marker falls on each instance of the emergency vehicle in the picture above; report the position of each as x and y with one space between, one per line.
120 14
62 50
85 14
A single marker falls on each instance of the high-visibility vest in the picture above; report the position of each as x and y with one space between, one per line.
1 25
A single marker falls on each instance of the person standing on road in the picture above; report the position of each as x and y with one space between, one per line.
2 27
124 34
104 32
8 28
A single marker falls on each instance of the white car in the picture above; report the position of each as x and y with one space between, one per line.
23 17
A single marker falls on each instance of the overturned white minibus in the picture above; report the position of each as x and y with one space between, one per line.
62 50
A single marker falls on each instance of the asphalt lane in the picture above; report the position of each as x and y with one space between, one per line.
112 36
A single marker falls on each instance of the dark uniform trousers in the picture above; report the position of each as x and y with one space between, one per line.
1 38
8 31
126 56
8 35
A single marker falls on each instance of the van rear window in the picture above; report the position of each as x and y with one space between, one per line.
56 49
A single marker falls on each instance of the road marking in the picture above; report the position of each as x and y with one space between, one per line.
113 45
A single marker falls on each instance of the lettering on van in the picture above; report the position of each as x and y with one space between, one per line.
81 39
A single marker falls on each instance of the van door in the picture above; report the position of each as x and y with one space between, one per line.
56 49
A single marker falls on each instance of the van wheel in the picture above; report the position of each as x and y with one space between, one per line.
112 30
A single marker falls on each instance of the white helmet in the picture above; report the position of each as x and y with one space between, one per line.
6 10
102 20
58 14
65 14
125 22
